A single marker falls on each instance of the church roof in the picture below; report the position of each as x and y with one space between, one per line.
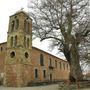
41 51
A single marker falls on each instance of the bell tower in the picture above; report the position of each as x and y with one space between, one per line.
19 45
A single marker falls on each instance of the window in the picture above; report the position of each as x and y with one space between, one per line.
67 66
44 73
28 27
25 41
41 60
12 54
28 42
36 73
50 62
64 66
17 23
26 54
11 41
1 49
15 43
25 23
56 63
12 26
60 65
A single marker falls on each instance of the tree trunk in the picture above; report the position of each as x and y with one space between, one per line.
75 73
75 69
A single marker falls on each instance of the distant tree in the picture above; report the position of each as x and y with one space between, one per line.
60 21
84 53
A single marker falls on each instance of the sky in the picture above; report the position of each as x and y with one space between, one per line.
8 8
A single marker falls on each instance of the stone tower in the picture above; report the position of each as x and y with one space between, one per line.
19 43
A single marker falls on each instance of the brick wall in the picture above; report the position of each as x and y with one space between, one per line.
58 68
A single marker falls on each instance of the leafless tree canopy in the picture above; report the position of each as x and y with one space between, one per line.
53 19
65 22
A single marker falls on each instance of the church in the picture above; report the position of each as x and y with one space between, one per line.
21 63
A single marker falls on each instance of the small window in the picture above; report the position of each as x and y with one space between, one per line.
28 27
36 73
60 65
44 73
25 25
1 49
11 41
12 54
25 41
12 26
15 43
17 23
50 62
67 66
41 60
28 42
56 63
26 54
64 66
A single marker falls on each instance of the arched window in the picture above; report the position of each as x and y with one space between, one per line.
27 42
60 65
44 73
17 24
36 73
25 25
56 63
11 41
26 54
24 41
12 26
12 54
15 43
67 66
64 66
50 62
41 60
28 26
1 49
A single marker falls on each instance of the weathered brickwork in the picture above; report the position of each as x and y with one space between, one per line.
20 63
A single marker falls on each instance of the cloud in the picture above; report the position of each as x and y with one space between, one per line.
7 8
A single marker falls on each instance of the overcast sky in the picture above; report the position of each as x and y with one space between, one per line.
7 8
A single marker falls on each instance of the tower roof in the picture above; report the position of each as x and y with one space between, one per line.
21 11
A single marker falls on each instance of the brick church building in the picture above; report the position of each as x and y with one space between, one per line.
21 63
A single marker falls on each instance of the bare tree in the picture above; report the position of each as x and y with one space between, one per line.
84 53
60 21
